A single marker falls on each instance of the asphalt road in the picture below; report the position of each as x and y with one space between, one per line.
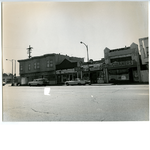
76 103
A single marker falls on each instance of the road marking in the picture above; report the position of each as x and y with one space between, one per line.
47 91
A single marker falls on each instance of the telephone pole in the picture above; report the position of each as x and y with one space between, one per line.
29 51
12 71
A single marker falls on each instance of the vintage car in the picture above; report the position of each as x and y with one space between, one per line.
4 83
41 81
88 82
77 81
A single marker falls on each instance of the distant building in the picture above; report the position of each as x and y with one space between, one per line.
7 79
42 67
144 50
122 65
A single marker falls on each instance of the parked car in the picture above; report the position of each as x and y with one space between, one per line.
77 81
4 83
88 82
41 81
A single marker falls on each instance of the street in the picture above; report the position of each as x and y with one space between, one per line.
76 103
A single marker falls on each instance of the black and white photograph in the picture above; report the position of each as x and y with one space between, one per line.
74 75
75 61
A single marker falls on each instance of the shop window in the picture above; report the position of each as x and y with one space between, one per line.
121 59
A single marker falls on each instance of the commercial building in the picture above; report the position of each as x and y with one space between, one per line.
93 71
144 51
122 65
68 69
42 67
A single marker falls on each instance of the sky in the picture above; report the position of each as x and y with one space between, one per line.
58 27
54 27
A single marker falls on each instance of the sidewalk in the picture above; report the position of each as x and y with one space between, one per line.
108 84
102 84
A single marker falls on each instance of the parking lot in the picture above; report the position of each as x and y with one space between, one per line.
76 103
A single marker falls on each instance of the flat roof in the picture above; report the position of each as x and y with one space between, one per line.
37 57
119 49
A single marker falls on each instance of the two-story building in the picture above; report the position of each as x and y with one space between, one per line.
41 67
122 65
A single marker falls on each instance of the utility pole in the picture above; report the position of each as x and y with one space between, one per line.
29 51
12 71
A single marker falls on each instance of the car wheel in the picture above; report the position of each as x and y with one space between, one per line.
67 84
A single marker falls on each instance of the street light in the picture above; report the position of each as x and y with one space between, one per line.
87 50
87 57
12 70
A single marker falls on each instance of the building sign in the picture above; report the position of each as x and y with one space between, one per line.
120 64
92 67
119 77
65 71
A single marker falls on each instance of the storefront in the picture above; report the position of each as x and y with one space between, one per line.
66 75
93 72
122 65
67 70
123 71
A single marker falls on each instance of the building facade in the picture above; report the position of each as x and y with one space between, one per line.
144 50
41 67
93 71
122 65
68 70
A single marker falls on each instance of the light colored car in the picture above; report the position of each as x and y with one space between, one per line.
88 82
77 81
41 81
4 83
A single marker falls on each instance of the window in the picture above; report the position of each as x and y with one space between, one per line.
34 65
29 67
38 65
49 63
21 68
121 59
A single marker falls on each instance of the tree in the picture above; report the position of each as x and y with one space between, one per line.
5 75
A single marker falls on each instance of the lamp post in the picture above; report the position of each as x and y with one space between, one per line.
87 51
87 57
12 70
